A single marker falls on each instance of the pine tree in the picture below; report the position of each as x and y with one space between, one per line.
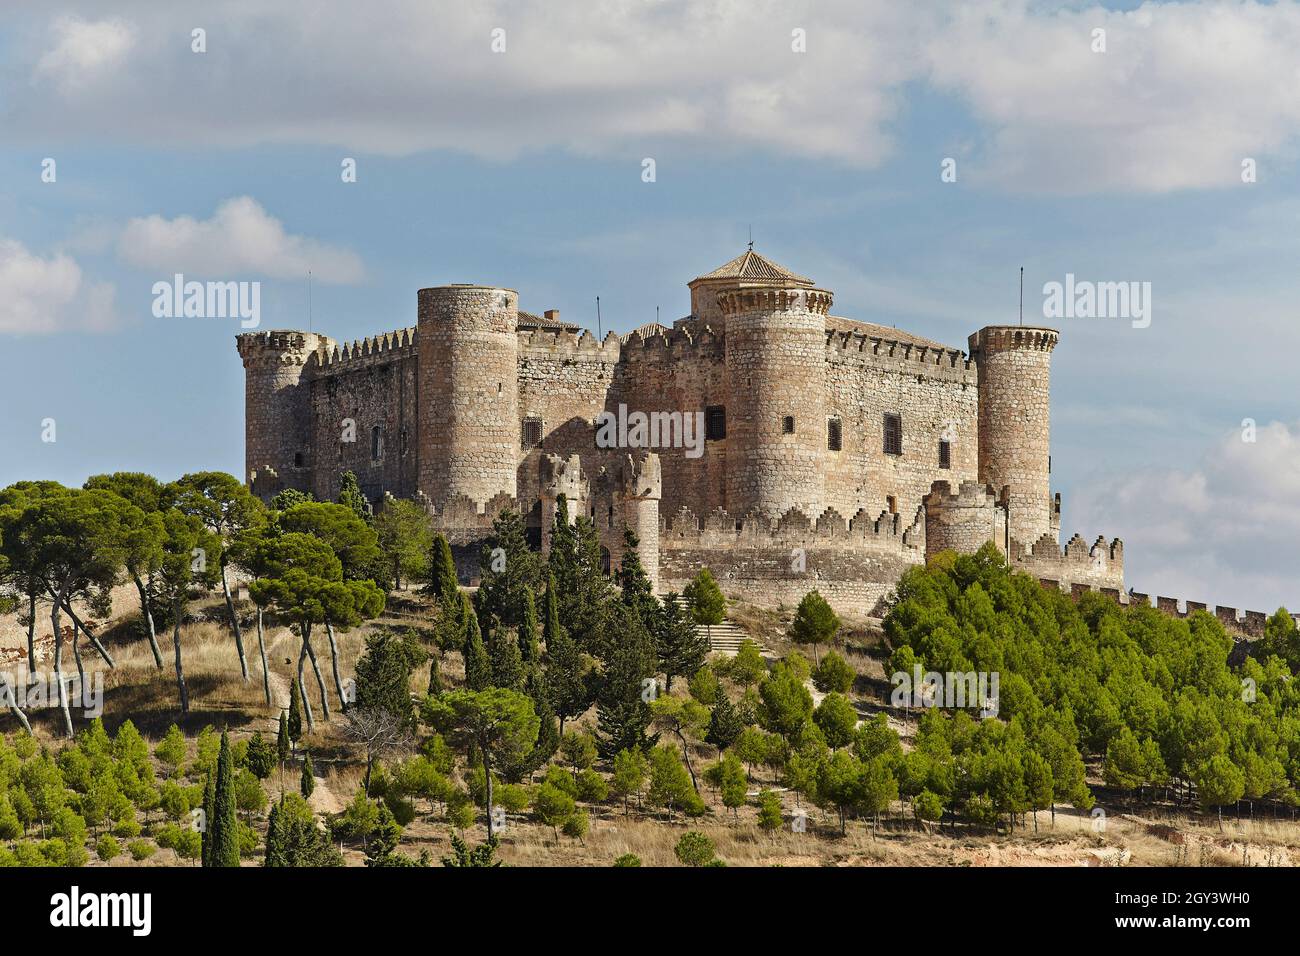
682 651
307 781
435 679
223 827
478 668
725 724
295 713
638 592
622 714
508 570
274 851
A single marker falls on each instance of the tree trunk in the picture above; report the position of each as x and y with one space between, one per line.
234 623
148 619
11 696
334 664
302 693
31 633
76 656
180 671
94 641
261 650
320 681
487 772
687 757
58 667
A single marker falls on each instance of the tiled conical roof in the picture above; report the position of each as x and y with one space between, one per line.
749 266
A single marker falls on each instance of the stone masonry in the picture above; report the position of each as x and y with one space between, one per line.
831 447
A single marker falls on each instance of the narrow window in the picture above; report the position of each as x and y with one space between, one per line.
532 432
403 438
715 423
376 443
945 454
787 425
834 435
893 434
892 502
297 459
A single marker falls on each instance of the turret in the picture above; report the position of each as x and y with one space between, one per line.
1015 364
640 490
776 375
469 393
560 476
278 452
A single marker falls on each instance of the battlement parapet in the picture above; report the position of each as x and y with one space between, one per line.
1007 338
720 530
567 345
778 299
373 350
673 345
280 347
891 353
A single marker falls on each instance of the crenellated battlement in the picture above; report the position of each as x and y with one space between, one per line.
280 347
844 344
376 349
1006 338
563 344
794 528
673 345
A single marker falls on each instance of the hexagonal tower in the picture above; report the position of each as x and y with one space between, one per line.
469 393
776 383
1015 366
277 407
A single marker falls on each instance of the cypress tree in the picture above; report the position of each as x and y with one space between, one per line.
306 782
295 712
282 744
565 683
435 679
274 852
442 576
224 829
622 714
351 495
682 650
209 816
507 664
528 651
478 669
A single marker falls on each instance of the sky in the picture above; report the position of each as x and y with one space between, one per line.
505 143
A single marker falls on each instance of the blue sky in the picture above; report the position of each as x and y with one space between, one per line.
523 168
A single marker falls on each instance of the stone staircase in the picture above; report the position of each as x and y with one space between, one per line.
724 638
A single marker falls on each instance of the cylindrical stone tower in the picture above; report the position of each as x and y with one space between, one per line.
469 394
640 489
1015 364
776 416
277 407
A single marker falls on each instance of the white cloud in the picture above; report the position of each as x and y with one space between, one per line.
1226 531
43 295
240 238
1182 94
83 51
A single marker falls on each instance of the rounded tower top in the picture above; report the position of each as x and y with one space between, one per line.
280 347
1009 338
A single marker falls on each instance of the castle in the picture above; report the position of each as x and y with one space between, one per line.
835 452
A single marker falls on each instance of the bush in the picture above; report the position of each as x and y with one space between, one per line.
833 674
592 787
140 850
628 859
694 849
106 848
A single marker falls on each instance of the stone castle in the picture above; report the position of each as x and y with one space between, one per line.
835 452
